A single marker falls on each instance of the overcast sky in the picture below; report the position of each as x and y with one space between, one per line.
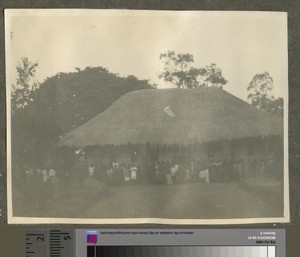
127 42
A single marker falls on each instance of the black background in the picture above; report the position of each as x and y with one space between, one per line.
12 237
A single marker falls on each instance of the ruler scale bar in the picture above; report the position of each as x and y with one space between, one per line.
37 243
58 244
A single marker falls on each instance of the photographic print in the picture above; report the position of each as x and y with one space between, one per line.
134 116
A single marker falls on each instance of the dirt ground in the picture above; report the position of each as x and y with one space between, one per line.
188 201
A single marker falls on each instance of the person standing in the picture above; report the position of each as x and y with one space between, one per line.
169 179
174 170
204 173
156 173
110 173
91 171
52 175
126 173
262 168
133 173
115 167
45 175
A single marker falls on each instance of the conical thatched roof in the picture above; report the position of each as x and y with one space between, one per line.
175 116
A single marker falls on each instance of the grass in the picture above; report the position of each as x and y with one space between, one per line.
189 201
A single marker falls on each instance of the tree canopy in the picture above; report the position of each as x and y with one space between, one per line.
63 102
260 94
212 76
26 83
179 71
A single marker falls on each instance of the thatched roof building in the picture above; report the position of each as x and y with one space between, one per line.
175 116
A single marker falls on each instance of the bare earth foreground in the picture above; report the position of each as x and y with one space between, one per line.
186 201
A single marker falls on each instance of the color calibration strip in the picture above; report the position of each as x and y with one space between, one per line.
180 251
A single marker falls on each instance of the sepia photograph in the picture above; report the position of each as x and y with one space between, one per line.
157 117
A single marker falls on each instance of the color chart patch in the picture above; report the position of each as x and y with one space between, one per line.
92 237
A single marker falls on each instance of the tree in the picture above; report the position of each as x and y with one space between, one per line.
61 103
179 71
260 94
21 93
212 76
276 106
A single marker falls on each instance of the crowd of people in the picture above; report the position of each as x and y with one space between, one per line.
158 172
166 172
40 184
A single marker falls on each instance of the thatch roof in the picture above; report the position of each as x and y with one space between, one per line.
175 116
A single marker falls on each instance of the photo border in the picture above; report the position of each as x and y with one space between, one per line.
36 220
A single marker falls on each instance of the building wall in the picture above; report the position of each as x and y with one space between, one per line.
251 152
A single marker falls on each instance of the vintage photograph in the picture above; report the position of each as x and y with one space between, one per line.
134 116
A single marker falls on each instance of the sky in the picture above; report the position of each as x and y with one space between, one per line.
130 42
